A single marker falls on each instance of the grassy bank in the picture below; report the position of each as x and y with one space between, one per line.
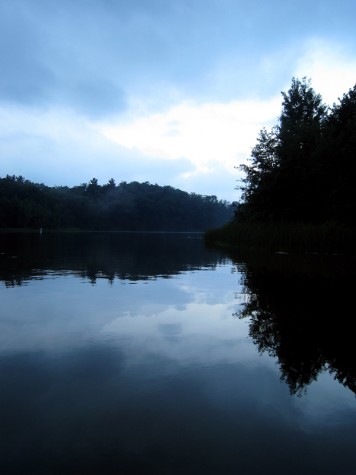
302 238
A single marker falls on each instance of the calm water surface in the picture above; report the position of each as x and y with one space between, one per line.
151 354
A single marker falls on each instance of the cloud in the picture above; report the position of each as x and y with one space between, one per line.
169 92
52 56
331 67
96 98
25 77
214 138
95 57
218 180
59 148
206 134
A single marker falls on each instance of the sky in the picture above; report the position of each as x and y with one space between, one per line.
172 92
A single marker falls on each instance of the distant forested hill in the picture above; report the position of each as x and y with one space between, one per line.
124 207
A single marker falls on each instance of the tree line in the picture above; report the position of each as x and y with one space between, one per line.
304 169
90 206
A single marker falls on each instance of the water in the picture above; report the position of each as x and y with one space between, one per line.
151 354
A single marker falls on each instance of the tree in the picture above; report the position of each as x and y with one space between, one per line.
339 154
258 182
93 188
277 185
111 183
300 132
302 115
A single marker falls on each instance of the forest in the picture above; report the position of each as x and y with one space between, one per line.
90 206
298 189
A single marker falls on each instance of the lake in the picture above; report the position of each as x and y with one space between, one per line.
152 354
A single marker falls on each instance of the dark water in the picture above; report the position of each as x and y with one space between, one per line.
151 354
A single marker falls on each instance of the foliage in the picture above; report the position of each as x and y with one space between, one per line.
127 206
303 170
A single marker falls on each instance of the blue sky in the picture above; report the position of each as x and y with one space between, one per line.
172 92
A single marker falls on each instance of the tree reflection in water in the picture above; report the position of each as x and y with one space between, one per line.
302 312
92 256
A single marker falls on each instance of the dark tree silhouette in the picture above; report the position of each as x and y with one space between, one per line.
303 169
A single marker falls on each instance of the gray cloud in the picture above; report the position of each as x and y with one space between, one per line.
96 97
25 78
89 55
